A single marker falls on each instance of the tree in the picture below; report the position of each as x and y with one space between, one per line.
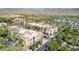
6 34
12 37
65 34
6 20
54 45
1 40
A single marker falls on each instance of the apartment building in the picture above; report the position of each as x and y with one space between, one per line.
46 29
29 36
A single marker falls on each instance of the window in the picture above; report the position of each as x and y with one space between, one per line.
33 39
50 33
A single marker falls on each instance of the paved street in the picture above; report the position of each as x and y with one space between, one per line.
44 46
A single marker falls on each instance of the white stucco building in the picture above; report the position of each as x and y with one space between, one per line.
29 36
46 29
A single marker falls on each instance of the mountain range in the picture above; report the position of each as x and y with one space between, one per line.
39 10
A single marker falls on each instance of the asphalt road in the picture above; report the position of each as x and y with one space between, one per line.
43 47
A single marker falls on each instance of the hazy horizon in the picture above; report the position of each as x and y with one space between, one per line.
39 10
